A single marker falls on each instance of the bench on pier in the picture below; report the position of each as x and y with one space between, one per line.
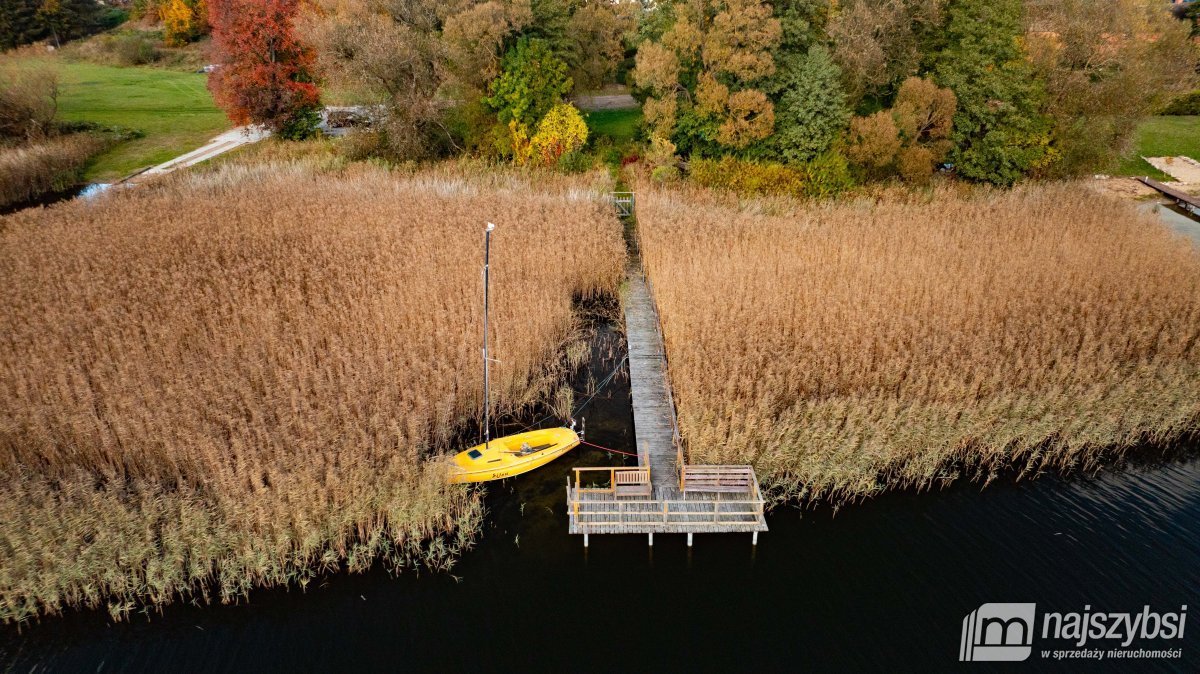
634 482
729 479
622 482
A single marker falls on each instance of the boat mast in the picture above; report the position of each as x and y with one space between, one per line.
487 250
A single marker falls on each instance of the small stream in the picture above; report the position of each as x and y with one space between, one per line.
80 191
883 584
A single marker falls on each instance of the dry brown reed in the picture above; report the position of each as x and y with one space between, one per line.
246 376
903 342
29 171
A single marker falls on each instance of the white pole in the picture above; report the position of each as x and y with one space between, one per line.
754 539
689 539
585 541
487 252
651 539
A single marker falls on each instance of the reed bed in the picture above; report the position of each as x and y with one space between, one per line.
29 171
905 341
247 376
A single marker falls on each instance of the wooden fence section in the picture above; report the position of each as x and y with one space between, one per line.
623 201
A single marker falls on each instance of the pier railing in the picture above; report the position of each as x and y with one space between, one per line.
611 515
676 437
727 498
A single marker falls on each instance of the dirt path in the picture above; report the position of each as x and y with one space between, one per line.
1183 169
230 140
606 102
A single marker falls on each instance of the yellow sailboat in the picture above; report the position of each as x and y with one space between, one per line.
512 454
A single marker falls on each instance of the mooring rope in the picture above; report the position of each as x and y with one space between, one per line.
600 388
603 383
607 449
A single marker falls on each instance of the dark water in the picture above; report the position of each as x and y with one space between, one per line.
83 191
44 199
883 585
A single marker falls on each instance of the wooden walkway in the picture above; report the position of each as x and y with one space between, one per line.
1183 199
653 408
669 497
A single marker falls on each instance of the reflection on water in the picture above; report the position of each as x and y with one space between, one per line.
1175 218
884 584
94 190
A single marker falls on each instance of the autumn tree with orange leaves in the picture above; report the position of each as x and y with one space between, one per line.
265 71
702 76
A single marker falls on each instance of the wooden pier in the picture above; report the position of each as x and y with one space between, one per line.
662 494
654 425
1182 199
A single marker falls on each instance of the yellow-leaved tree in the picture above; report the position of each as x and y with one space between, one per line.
562 130
183 21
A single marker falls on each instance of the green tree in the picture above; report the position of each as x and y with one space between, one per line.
1106 67
999 133
811 109
803 23
20 24
68 19
532 80
25 21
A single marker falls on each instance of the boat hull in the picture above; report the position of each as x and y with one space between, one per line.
503 457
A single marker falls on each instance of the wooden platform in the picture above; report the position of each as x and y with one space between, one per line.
1182 199
662 494
665 511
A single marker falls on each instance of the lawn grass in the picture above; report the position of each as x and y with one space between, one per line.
172 109
1162 137
619 125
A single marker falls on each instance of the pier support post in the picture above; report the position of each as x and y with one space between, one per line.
651 534
689 539
754 538
585 541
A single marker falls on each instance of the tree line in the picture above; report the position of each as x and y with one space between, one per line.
24 22
998 90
